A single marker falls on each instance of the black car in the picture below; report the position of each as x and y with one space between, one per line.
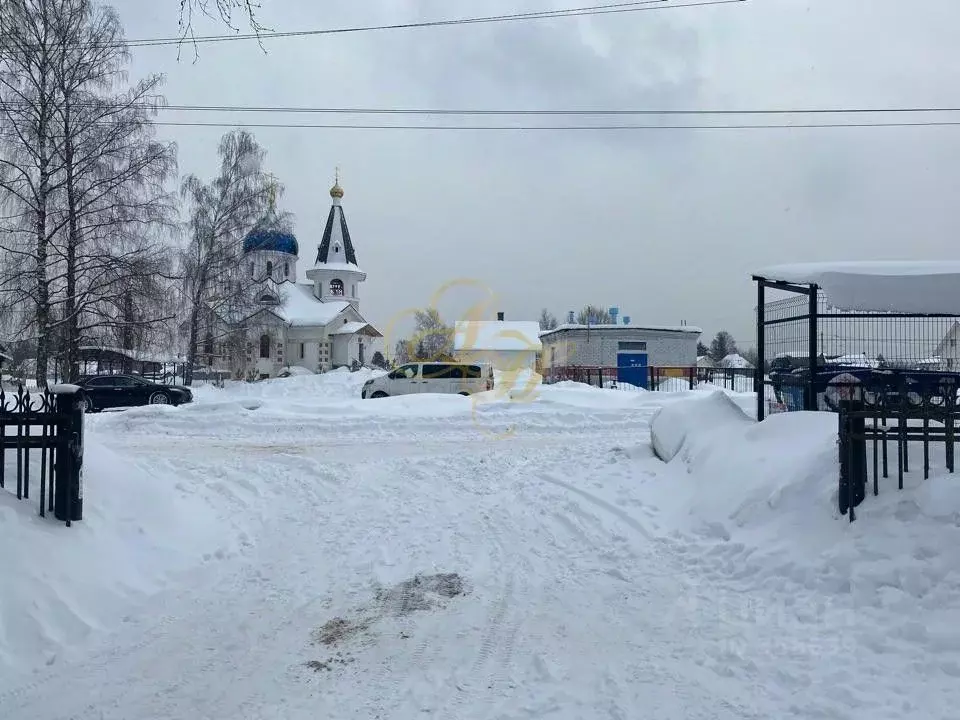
112 391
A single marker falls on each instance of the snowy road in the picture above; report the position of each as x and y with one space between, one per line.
556 622
582 601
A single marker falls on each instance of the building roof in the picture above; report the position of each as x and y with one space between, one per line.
354 327
610 329
270 239
336 245
921 287
496 335
300 308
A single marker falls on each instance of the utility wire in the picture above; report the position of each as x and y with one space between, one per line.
620 7
535 128
289 109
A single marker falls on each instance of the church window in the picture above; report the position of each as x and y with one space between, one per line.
251 269
286 269
264 346
269 268
353 290
336 287
336 248
302 350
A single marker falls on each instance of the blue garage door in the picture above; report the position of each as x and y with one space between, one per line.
632 368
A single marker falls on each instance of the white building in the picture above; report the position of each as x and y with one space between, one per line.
631 349
315 325
508 345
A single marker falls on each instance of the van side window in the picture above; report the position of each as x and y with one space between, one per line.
442 372
403 372
472 371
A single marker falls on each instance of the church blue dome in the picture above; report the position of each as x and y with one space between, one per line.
270 239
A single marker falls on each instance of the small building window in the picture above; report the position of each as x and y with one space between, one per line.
264 346
636 346
270 268
336 287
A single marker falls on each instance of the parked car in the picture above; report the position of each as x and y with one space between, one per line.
110 391
436 377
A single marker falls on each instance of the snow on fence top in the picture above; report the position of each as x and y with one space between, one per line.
921 287
614 327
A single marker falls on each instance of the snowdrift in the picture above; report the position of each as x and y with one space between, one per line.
58 584
692 419
754 506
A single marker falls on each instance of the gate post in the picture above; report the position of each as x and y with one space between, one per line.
68 490
853 457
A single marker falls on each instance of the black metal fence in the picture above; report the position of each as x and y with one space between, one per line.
688 378
895 416
657 377
41 437
803 342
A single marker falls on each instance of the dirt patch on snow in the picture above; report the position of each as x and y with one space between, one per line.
418 594
422 592
338 630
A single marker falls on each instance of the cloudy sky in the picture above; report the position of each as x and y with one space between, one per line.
666 224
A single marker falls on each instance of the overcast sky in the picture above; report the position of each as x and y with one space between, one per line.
665 224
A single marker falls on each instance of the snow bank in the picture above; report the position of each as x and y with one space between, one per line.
58 584
756 506
687 423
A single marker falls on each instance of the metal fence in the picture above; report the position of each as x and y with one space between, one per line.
662 378
803 342
41 438
915 414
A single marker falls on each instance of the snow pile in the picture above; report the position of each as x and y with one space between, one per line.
685 424
295 371
337 384
753 507
735 361
672 384
140 526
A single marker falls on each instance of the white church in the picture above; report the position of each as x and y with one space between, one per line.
314 325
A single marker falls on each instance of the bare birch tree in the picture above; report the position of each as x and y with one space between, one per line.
226 10
114 178
220 214
28 163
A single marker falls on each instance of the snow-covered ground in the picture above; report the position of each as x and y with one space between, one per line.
250 556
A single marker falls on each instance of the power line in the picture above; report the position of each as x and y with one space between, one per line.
290 109
534 128
621 7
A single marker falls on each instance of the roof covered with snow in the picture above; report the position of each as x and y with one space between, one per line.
612 328
353 327
921 287
498 335
301 308
735 360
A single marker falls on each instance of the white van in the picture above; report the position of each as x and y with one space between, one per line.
435 377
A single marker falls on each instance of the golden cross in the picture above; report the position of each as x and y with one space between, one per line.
336 175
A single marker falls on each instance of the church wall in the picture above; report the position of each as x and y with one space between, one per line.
282 263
